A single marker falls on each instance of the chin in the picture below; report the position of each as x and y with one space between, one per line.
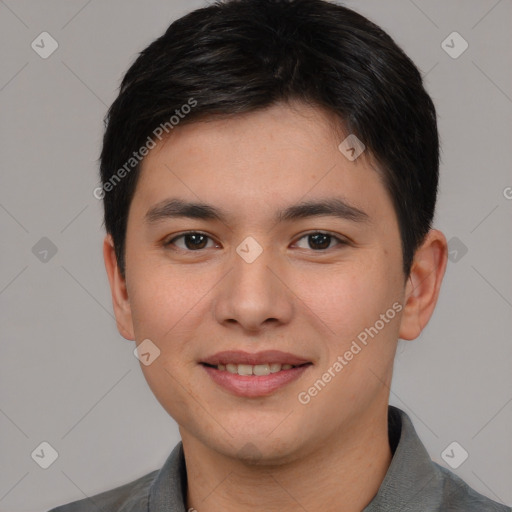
262 450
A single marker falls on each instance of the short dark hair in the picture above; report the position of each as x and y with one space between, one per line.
239 56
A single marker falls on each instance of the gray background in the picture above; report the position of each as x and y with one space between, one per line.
70 379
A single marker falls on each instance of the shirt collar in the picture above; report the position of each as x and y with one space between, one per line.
410 477
169 489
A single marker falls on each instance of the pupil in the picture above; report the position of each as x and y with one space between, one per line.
320 236
194 245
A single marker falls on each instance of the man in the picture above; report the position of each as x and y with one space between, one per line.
269 177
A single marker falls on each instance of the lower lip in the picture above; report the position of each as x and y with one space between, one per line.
255 385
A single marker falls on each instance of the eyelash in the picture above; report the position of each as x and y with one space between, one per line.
340 241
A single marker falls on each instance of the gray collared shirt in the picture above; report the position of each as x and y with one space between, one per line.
413 482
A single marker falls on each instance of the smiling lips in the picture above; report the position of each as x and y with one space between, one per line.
253 375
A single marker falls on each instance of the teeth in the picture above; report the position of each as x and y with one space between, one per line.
258 369
232 368
244 369
261 369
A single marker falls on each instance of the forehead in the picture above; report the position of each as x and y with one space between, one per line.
250 162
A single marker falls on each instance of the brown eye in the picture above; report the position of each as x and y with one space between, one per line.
193 241
319 241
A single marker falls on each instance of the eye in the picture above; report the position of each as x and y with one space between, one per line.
193 241
320 241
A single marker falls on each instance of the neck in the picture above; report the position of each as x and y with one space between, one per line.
345 471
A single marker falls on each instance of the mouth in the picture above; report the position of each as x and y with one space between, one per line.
254 375
257 369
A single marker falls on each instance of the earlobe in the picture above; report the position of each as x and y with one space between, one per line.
424 284
118 289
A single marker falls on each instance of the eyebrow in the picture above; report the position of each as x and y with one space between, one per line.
334 207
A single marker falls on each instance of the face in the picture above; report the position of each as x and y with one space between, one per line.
255 272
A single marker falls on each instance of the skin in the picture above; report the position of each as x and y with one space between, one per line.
293 297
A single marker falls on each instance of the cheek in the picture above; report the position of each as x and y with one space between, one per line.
164 307
159 300
347 296
169 305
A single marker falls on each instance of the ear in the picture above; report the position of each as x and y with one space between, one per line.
120 300
424 284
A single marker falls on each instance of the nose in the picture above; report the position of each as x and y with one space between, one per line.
254 296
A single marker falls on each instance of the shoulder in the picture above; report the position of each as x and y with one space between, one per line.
165 486
458 496
414 482
129 497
